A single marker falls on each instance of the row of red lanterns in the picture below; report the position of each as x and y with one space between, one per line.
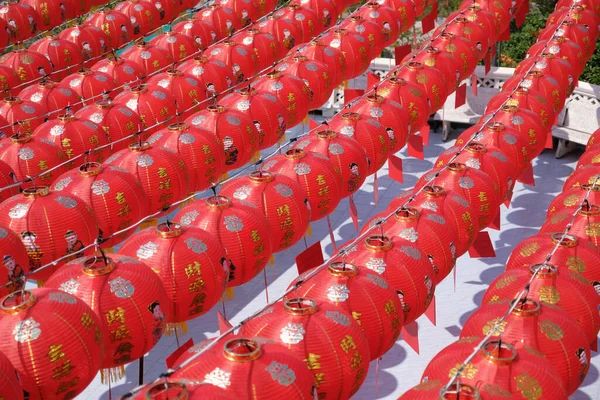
544 343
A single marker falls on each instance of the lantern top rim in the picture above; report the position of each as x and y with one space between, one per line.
260 177
242 350
169 230
300 306
407 214
379 243
527 307
35 192
566 241
342 269
218 202
16 302
97 266
177 389
498 352
433 191
90 169
461 392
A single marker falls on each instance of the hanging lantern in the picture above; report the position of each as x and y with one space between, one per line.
369 134
123 71
170 388
224 21
501 9
461 49
589 157
250 366
317 50
402 265
29 65
390 114
29 157
462 27
200 150
565 289
559 47
51 96
7 179
215 76
404 14
538 328
53 340
92 41
49 12
387 18
317 175
167 9
473 185
89 84
338 362
583 36
306 20
49 223
22 20
485 19
587 4
267 113
246 9
65 56
585 226
241 58
265 47
179 45
314 74
411 96
354 49
152 103
498 367
144 17
16 262
540 82
115 25
74 136
151 57
284 29
117 121
266 6
201 31
443 61
161 171
282 201
576 13
128 299
570 199
190 262
115 196
290 90
23 115
327 11
430 80
240 227
9 81
588 174
372 302
371 33
235 130
528 100
346 154
184 88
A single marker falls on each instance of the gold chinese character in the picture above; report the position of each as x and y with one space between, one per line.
321 180
162 172
283 210
43 165
165 185
124 211
121 333
255 236
469 371
291 97
197 285
347 344
286 224
62 371
324 191
118 314
319 380
86 320
55 352
65 142
192 269
312 361
356 360
389 307
356 316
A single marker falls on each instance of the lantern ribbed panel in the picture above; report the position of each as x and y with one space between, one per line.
314 74
7 178
9 81
585 226
431 81
127 298
582 176
179 45
238 56
91 41
579 14
543 84
200 150
306 20
51 95
331 344
264 46
89 84
184 88
529 100
14 260
538 329
582 36
589 157
368 298
143 16
49 12
171 388
241 228
62 53
214 75
387 18
250 367
461 27
246 10
123 71
149 56
560 47
280 198
224 21
411 96
167 9
29 156
594 139
461 49
115 25
401 264
571 198
151 102
24 26
327 11
500 8
23 115
201 31
491 23
161 171
115 196
317 176
284 29
190 262
371 33
355 51
588 4
9 381
443 61
406 13
331 57
51 225
346 154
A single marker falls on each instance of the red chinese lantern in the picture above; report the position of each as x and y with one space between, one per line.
184 88
390 114
354 49
560 47
589 157
74 136
587 4
473 185
461 49
224 20
179 45
410 95
22 20
266 110
346 154
170 388
501 9
49 12
486 19
537 328
402 265
314 74
123 71
151 57
317 50
161 171
462 27
9 80
431 81
249 366
583 36
240 57
240 227
327 11
167 9
372 302
576 13
368 132
284 30
443 61
51 96
589 174
339 363
53 340
317 176
306 20
190 262
371 33
51 226
28 64
246 9
65 56
200 149
290 90
266 6
544 77
387 18
10 385
89 84
115 196
214 75
528 100
92 41
570 199
568 290
115 25
281 199
15 261
23 115
152 103
264 46
498 367
585 226
201 31
236 131
143 16
128 299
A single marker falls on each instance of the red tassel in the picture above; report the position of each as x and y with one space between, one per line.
353 211
482 246
331 235
375 188
410 334
430 312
